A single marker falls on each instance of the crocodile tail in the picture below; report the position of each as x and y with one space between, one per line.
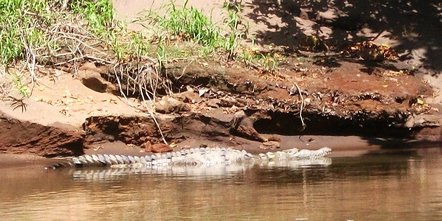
59 165
81 161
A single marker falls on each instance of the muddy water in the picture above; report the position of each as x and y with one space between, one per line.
395 186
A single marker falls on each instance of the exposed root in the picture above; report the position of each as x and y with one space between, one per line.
301 108
68 44
143 91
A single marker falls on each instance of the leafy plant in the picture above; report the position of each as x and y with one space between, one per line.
21 22
233 22
190 23
17 81
267 61
99 14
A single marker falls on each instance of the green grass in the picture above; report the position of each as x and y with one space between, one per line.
42 32
26 23
184 23
38 32
233 22
21 23
98 13
19 85
267 62
190 24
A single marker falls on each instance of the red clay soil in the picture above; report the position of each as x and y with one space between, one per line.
257 111
250 109
20 137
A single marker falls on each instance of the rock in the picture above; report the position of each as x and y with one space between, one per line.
242 125
130 130
157 148
214 103
188 97
270 145
147 146
274 138
169 105
423 121
228 102
20 137
90 76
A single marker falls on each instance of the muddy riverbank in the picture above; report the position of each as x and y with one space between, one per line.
213 105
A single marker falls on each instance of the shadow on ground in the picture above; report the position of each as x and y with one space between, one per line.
415 26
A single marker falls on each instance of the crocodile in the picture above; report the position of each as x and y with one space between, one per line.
203 157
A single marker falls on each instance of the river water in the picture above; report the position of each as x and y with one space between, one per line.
389 186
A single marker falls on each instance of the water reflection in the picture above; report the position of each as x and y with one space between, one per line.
374 187
205 172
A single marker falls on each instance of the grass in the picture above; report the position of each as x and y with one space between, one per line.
184 23
21 23
189 23
99 14
233 22
266 61
18 83
26 25
44 32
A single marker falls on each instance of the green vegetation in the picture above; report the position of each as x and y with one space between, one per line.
17 81
41 32
99 14
188 24
233 23
267 61
21 23
32 24
45 32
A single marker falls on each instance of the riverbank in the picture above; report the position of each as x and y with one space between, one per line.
304 99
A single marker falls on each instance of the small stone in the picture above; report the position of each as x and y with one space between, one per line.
157 148
274 138
188 97
214 103
270 145
161 148
147 146
169 105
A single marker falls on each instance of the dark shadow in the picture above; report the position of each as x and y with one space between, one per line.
401 143
416 25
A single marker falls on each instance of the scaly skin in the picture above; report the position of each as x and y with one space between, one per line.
199 157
